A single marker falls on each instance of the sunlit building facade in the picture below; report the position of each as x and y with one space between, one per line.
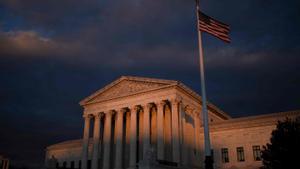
137 122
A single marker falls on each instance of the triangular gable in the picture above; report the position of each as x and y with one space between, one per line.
126 86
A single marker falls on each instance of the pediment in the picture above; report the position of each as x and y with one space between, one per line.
126 86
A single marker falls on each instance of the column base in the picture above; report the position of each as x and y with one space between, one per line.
132 167
105 167
209 162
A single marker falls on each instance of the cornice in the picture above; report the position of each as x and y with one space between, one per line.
133 94
68 144
253 121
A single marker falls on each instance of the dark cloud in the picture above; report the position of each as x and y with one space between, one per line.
53 53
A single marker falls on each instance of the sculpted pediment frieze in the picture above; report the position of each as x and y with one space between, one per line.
124 88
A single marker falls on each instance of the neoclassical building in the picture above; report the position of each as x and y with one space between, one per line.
135 121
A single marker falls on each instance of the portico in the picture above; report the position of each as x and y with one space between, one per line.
140 113
134 111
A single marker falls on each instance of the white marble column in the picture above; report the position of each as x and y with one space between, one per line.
146 132
183 139
85 141
96 141
160 130
175 130
119 138
133 137
197 134
107 140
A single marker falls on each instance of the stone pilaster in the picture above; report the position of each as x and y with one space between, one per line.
133 137
175 130
96 141
107 140
119 138
85 141
160 130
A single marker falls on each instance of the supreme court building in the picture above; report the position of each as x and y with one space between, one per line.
137 122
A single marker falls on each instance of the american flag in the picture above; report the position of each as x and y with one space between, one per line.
213 27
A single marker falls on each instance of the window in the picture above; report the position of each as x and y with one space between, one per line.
256 153
240 154
225 157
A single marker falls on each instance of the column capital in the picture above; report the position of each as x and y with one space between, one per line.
122 110
160 103
147 106
98 115
87 116
175 100
187 108
196 114
134 109
110 113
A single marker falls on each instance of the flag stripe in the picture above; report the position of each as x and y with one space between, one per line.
227 39
212 31
219 26
214 27
216 33
213 23
202 15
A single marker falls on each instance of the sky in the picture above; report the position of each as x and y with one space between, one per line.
53 53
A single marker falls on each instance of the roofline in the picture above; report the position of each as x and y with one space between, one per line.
253 121
63 144
264 116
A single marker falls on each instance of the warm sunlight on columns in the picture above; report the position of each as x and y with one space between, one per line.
119 138
146 133
197 134
183 138
160 130
85 141
175 130
107 139
96 141
133 136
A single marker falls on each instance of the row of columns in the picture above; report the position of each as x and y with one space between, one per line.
4 163
176 128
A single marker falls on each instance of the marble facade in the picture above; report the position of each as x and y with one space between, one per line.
132 115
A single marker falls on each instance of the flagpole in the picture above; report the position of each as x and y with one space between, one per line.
208 159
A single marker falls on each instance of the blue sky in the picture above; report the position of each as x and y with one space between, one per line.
53 53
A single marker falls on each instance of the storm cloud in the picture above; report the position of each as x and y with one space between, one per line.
53 53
